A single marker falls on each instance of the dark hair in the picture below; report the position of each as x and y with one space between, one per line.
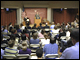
52 40
11 43
13 31
1 37
75 34
42 32
12 37
17 27
40 24
34 24
23 37
39 52
35 36
24 31
9 24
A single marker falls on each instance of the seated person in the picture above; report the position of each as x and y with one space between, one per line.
11 50
28 26
22 27
51 48
39 53
34 27
41 34
52 26
10 27
2 53
24 32
23 37
3 41
34 40
18 29
5 31
14 32
40 27
46 26
45 40
24 49
73 51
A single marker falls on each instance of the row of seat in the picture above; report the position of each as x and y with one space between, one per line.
31 56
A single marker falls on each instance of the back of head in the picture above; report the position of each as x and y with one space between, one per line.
12 37
52 23
46 35
55 27
52 40
39 53
40 24
35 36
11 43
75 34
24 45
24 31
23 37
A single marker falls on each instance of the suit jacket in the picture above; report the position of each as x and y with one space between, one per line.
37 16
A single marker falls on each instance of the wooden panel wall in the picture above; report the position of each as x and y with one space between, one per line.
7 17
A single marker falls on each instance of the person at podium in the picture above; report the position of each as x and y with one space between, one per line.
37 16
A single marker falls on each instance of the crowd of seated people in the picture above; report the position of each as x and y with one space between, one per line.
25 39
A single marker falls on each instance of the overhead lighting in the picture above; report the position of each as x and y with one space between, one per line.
65 8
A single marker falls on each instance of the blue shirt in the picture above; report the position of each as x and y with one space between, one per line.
71 52
36 41
52 26
50 49
27 51
2 53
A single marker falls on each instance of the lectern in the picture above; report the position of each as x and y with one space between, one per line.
37 21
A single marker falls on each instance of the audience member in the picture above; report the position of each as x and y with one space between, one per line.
63 25
22 27
51 48
2 53
68 53
18 29
24 38
41 34
24 49
46 26
10 27
34 40
28 26
40 27
39 53
34 27
52 26
45 40
58 25
24 32
11 50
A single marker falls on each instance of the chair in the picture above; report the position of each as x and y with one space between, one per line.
9 57
51 56
33 56
63 37
47 29
34 47
23 56
3 46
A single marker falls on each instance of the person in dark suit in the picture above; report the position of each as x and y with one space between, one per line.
37 16
46 26
40 27
26 19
